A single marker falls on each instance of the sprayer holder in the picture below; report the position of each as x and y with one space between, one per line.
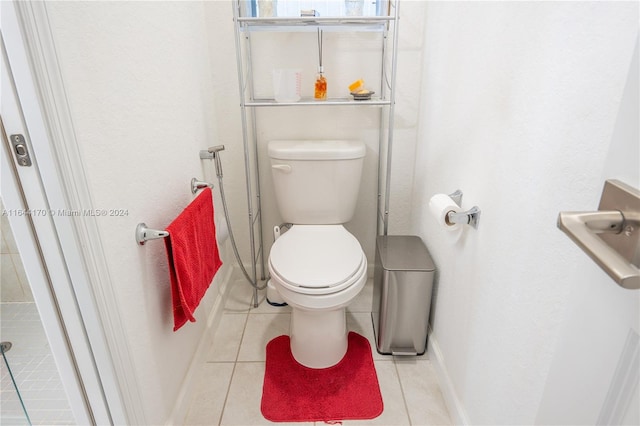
211 153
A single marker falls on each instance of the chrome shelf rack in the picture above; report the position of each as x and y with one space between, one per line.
245 26
312 102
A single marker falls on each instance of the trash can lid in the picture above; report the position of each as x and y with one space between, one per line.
404 253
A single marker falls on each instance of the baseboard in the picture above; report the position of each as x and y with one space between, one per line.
456 409
185 394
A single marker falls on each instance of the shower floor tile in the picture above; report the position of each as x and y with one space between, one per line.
33 368
229 387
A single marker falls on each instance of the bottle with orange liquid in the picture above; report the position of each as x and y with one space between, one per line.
320 92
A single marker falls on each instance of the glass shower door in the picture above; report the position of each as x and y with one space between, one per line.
13 410
31 389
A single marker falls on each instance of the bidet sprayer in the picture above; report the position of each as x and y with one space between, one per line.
212 153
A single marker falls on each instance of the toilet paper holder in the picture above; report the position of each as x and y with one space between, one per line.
470 217
456 197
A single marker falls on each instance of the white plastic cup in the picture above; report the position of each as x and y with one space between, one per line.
286 84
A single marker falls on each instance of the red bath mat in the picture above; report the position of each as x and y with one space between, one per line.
294 393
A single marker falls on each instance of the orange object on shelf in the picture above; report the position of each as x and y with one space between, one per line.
320 88
356 85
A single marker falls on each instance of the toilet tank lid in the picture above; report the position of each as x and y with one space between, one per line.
316 149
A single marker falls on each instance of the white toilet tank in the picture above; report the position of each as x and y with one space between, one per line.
316 182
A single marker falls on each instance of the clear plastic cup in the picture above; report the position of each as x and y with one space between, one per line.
286 84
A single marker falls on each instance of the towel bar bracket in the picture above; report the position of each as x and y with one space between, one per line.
198 184
144 234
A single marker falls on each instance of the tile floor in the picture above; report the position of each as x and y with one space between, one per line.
229 387
33 368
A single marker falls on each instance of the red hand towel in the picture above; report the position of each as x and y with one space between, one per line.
193 256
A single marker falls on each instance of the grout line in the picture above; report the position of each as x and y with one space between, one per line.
233 371
244 329
224 404
404 400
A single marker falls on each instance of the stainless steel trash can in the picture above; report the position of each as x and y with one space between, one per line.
402 284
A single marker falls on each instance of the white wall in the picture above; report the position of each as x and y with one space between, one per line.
408 115
137 76
519 102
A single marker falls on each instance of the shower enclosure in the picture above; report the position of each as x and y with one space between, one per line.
13 410
31 391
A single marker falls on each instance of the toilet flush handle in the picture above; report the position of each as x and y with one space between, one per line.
285 168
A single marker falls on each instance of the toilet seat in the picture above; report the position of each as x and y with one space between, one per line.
317 259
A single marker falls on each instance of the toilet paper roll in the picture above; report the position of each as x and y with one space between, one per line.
440 205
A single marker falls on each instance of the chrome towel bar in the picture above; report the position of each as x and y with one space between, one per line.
144 234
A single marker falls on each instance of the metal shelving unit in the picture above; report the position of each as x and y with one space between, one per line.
245 27
358 23
313 102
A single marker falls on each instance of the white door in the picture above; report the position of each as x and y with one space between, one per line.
595 373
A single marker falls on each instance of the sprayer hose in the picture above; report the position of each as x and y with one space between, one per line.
253 283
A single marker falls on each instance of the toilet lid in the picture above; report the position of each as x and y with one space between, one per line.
316 256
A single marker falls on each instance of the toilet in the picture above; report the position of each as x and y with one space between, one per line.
317 266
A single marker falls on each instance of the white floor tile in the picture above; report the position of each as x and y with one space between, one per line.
245 394
210 394
260 329
363 301
226 341
361 324
394 413
422 392
240 296
408 385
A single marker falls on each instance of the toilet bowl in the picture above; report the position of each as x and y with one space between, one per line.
318 270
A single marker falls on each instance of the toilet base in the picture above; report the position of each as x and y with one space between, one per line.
273 297
318 338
